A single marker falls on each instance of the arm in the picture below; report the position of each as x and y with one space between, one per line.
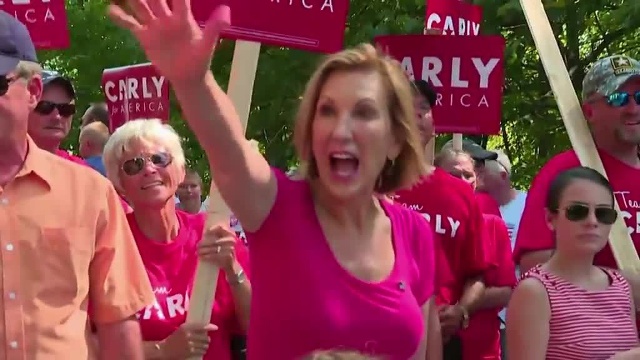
502 278
240 172
120 340
241 293
119 286
431 345
528 316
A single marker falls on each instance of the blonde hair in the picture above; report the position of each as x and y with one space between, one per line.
97 132
28 69
338 355
409 165
449 153
145 130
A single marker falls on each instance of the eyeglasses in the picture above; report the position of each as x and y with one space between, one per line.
5 81
579 212
620 99
133 166
46 107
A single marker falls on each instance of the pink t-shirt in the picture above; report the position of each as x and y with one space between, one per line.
448 203
304 300
171 268
488 205
65 155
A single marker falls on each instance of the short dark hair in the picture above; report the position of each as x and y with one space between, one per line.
99 111
567 177
423 88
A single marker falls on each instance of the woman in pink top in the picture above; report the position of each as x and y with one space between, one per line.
567 308
144 160
333 266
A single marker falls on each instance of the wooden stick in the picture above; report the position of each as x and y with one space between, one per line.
241 79
457 142
579 134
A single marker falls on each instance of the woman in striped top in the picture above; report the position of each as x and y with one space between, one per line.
567 308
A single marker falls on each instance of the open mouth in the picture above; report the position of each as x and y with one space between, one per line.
343 165
151 185
632 123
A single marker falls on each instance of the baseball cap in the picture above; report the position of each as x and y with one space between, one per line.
50 77
476 151
503 160
15 43
426 90
606 75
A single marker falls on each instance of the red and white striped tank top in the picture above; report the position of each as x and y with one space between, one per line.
587 325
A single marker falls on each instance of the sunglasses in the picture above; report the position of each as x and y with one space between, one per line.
46 107
5 81
620 99
579 212
134 166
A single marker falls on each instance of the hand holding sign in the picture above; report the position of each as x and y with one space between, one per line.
171 38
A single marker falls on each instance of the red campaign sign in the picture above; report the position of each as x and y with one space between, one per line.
46 21
467 72
312 25
135 92
455 17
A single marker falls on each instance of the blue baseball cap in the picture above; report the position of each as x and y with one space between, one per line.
15 43
50 77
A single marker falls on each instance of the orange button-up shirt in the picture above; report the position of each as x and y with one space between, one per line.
65 248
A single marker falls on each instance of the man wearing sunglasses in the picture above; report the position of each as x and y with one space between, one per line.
50 121
66 248
611 105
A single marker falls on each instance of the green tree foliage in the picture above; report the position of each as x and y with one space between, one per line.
532 130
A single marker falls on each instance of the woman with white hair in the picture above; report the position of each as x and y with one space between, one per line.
333 265
145 161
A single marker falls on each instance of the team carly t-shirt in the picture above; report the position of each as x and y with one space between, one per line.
171 269
488 205
481 340
449 204
304 300
534 235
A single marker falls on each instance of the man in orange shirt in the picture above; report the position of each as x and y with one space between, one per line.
66 251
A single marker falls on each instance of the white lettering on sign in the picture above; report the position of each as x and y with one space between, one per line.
432 72
132 88
629 210
453 27
327 5
30 15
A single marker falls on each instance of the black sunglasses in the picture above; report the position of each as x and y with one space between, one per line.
134 166
5 81
46 107
620 99
579 212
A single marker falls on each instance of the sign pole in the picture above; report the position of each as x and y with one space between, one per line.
240 90
574 121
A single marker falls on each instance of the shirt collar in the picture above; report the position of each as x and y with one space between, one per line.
37 162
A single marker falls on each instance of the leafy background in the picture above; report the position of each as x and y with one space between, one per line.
532 130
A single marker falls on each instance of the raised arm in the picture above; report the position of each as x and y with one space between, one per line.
182 52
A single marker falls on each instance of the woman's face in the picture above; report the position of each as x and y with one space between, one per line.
577 230
461 166
148 175
352 133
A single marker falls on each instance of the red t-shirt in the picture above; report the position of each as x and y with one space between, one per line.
534 235
171 268
481 340
66 155
448 203
488 205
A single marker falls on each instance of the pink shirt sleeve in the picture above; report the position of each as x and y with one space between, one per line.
424 287
503 273
533 233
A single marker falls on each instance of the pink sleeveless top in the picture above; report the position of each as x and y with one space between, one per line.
592 325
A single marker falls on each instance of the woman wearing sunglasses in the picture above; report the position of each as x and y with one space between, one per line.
567 308
145 161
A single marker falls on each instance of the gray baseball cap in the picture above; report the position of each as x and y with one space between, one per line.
606 75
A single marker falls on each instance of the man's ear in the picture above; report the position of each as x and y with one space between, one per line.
35 87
